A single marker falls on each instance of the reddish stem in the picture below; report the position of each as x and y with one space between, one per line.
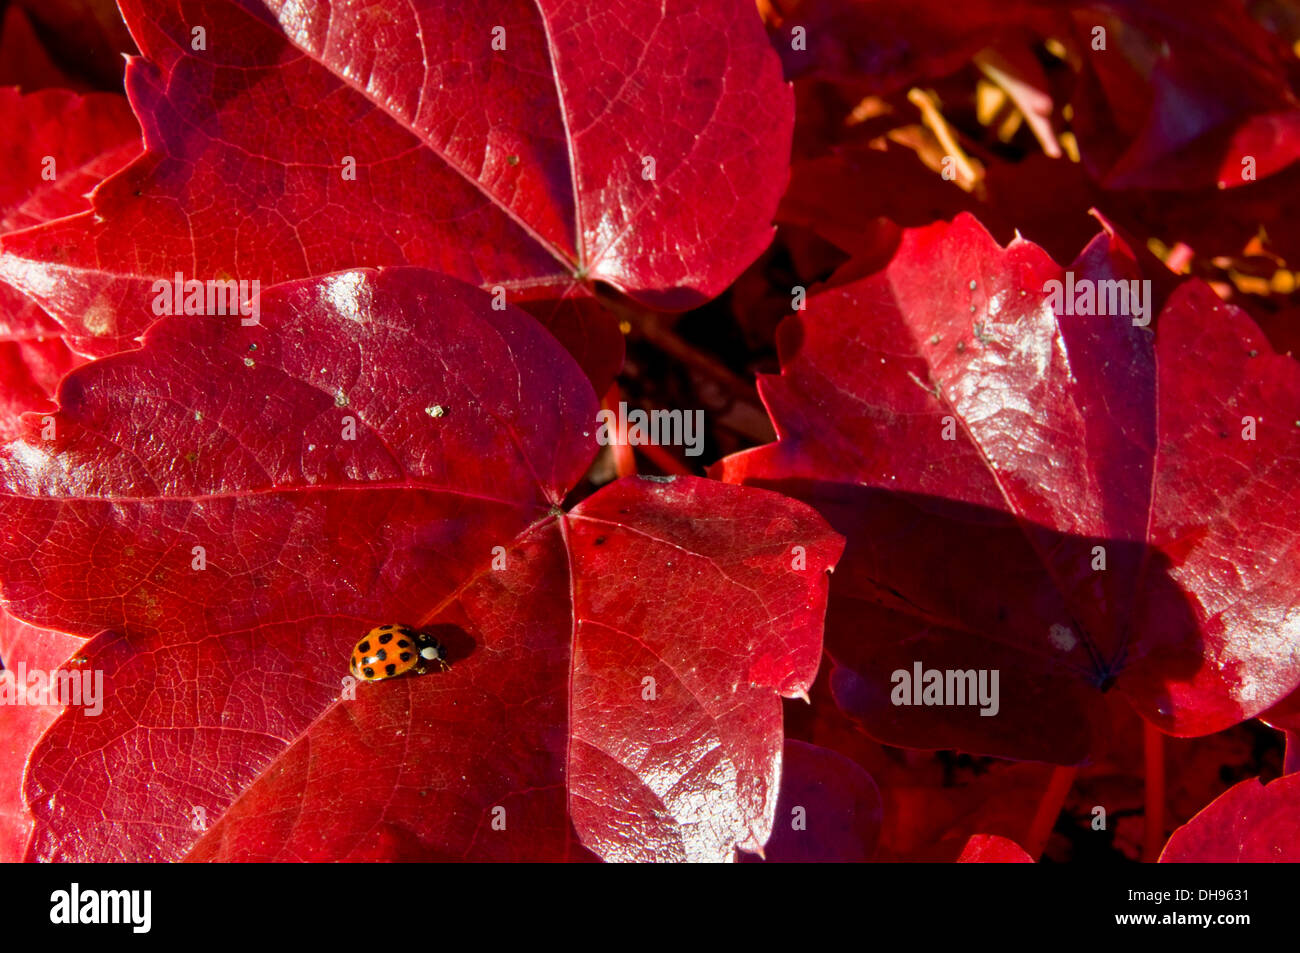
624 459
1049 809
1153 748
654 330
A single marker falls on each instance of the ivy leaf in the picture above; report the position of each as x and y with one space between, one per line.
226 511
1066 499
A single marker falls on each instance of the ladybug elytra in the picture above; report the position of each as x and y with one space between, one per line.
388 651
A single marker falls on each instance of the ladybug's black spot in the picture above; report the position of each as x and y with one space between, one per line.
370 672
390 670
364 647
387 628
381 654
404 657
403 644
386 638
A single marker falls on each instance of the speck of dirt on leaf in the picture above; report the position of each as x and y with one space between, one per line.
935 338
248 362
972 285
435 411
340 399
198 415
1254 353
512 159
961 346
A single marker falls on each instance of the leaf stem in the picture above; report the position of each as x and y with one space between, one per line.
1049 809
654 329
624 459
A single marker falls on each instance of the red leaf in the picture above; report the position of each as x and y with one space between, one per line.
1068 433
62 145
1181 95
991 849
234 438
23 649
932 802
639 144
29 372
1285 714
829 809
1250 823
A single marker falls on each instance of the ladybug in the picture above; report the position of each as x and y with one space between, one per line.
388 651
